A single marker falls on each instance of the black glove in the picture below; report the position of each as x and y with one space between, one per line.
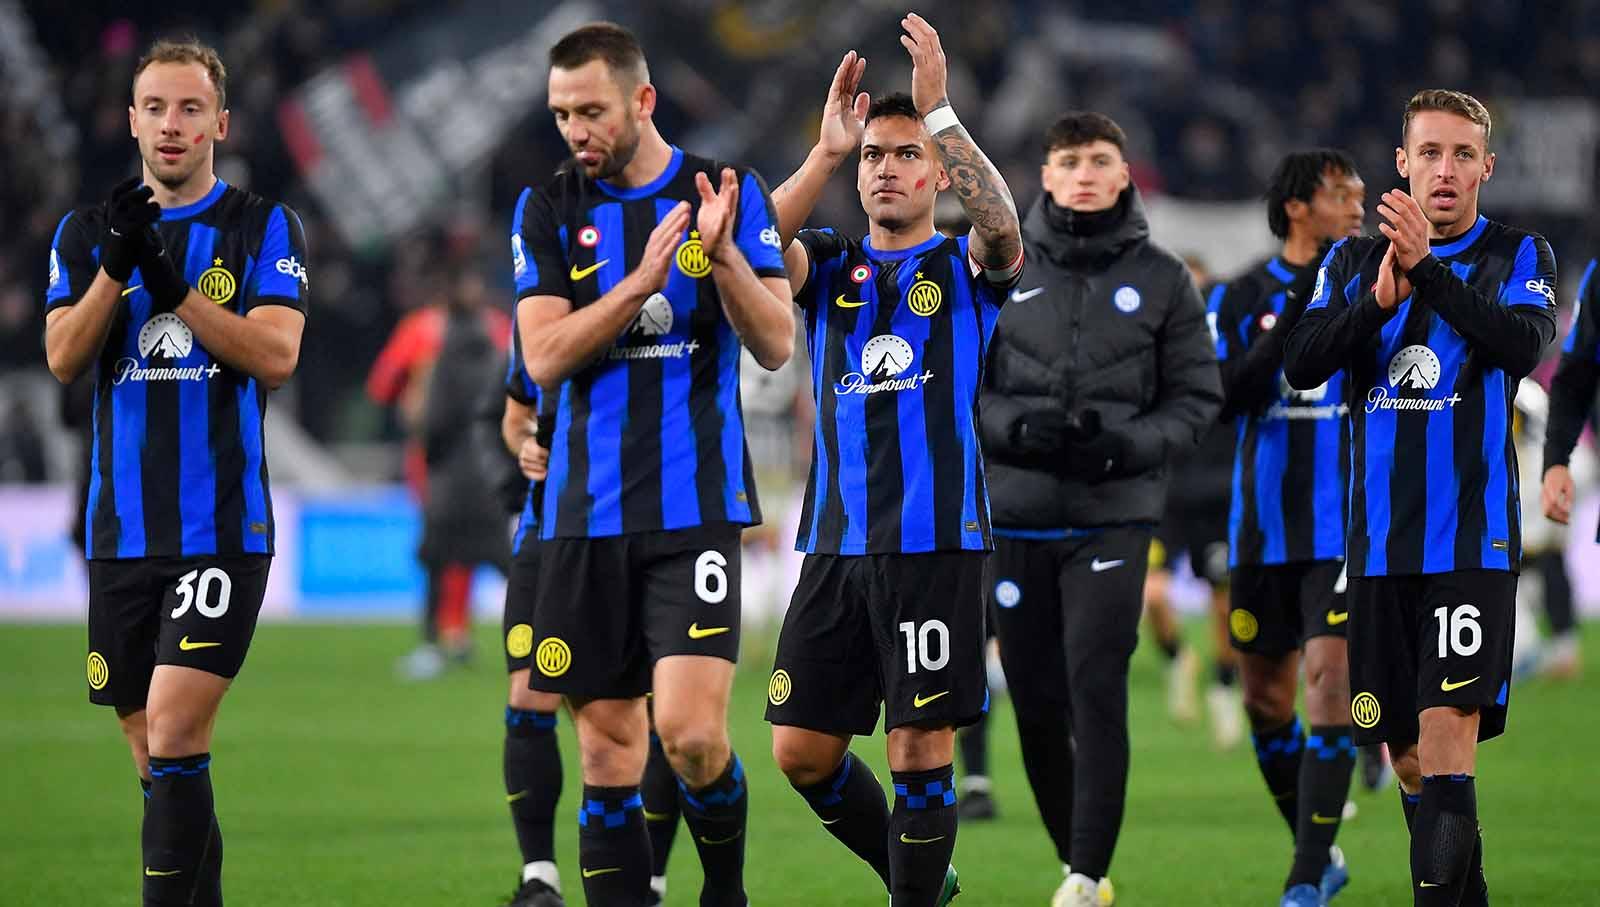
162 278
127 214
1095 458
1040 433
1298 293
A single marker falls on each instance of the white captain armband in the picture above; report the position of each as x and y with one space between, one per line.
1000 277
939 119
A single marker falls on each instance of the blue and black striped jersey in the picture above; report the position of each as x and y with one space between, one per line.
650 436
177 465
1292 449
1572 389
1583 337
898 341
520 387
1433 485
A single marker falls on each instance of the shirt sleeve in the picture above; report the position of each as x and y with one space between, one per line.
74 261
279 275
1572 390
1511 332
1337 320
538 254
519 386
822 247
756 227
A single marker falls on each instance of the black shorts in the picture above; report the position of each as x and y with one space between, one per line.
198 612
516 626
1202 535
607 609
1273 610
904 630
1441 639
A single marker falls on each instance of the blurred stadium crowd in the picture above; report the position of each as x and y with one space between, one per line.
1211 92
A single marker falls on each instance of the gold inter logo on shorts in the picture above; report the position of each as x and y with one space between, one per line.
924 296
692 258
1364 710
99 671
779 688
554 658
1243 624
216 284
519 641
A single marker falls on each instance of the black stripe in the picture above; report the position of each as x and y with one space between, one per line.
228 453
1408 486
106 526
885 477
1298 487
1251 539
841 323
941 441
1358 377
574 502
641 428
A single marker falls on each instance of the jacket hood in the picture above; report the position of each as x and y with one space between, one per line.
1072 239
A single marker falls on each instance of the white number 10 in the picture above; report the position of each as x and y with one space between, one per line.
917 645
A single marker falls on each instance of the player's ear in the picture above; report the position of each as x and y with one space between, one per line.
941 181
133 121
222 126
1124 176
644 100
1401 164
1488 167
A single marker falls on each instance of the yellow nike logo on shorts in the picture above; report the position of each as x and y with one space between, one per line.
715 841
578 273
512 798
1430 884
1335 618
918 702
695 631
160 874
188 646
591 873
1320 819
1447 686
843 303
906 839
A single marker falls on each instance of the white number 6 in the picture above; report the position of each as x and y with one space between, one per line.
710 580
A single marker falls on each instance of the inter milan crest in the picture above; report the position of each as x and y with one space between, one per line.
692 258
924 296
216 283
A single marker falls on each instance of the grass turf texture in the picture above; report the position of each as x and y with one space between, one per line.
338 785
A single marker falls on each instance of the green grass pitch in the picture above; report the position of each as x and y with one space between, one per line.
337 785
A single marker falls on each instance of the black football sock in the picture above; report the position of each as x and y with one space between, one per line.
1408 807
613 847
974 742
177 829
1047 759
144 785
1279 752
1444 835
660 791
851 805
922 835
210 890
1227 674
532 764
715 815
1325 766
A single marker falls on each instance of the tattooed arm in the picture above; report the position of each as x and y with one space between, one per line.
996 243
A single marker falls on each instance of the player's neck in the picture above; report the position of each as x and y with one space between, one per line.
1298 249
193 189
889 239
649 161
1467 220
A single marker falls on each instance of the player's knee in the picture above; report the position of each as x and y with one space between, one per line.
1266 706
803 765
914 749
175 731
694 748
520 697
1407 767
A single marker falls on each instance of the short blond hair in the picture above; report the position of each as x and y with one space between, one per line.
1457 102
187 50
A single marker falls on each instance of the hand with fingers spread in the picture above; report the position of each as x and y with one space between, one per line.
928 70
659 249
1407 228
129 212
1391 287
717 210
844 114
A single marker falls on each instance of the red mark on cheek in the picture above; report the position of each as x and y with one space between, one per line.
199 138
922 182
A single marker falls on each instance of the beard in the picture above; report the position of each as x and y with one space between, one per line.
171 176
620 157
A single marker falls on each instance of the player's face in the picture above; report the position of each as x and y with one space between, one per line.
1447 160
1085 178
898 175
599 115
176 121
1337 207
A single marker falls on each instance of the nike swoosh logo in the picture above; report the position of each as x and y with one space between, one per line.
1335 618
188 646
715 841
512 798
591 873
907 839
656 817
132 288
159 874
1447 686
1024 296
695 631
1099 566
1320 819
843 303
1430 885
918 702
831 821
578 273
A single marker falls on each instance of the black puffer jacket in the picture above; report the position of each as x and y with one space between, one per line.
1103 325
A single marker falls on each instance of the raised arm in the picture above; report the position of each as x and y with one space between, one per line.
1333 328
747 265
996 243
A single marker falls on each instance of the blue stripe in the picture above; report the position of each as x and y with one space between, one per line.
680 459
1443 486
735 497
1329 497
754 220
818 343
255 491
627 193
971 298
197 467
128 425
1460 245
191 210
1214 311
1236 486
529 275
555 480
608 391
1322 292
917 528
1496 519
1577 312
851 423
1272 459
61 287
1279 270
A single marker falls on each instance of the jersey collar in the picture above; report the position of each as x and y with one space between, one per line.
1280 270
901 254
629 193
191 210
1457 246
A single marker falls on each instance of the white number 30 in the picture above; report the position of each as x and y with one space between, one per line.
1459 631
199 594
710 580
